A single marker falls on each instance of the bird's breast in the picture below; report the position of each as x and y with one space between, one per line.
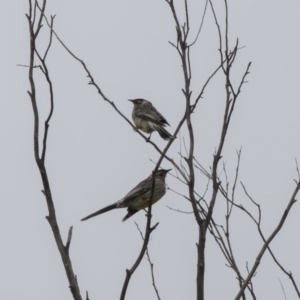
142 124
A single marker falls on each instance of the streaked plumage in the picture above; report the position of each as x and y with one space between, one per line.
148 119
138 197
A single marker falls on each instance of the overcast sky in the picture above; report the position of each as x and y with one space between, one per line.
94 158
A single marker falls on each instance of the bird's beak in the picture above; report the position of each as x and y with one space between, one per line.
168 170
130 100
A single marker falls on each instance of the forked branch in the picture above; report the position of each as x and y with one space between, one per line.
268 241
40 160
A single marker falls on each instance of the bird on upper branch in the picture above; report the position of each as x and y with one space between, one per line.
148 119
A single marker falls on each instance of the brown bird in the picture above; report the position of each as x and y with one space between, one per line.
148 119
138 197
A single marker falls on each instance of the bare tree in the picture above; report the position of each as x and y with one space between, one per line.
187 167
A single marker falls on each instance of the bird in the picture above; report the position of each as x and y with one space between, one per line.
138 197
148 119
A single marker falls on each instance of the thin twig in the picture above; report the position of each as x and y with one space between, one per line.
202 20
282 289
151 265
69 239
180 211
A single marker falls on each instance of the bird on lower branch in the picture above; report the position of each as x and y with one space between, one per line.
138 197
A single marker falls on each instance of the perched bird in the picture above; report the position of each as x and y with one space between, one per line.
138 197
148 119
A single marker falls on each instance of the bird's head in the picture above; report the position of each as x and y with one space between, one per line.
138 101
162 173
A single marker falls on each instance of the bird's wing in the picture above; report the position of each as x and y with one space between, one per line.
141 189
153 116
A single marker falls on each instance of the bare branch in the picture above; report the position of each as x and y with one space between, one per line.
69 239
269 240
39 24
282 288
150 263
289 274
297 168
180 211
236 177
226 30
40 161
187 19
87 296
50 39
219 30
202 20
47 76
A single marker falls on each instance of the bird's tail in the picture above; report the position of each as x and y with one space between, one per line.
163 133
101 211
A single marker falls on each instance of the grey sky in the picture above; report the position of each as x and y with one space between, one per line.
94 158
